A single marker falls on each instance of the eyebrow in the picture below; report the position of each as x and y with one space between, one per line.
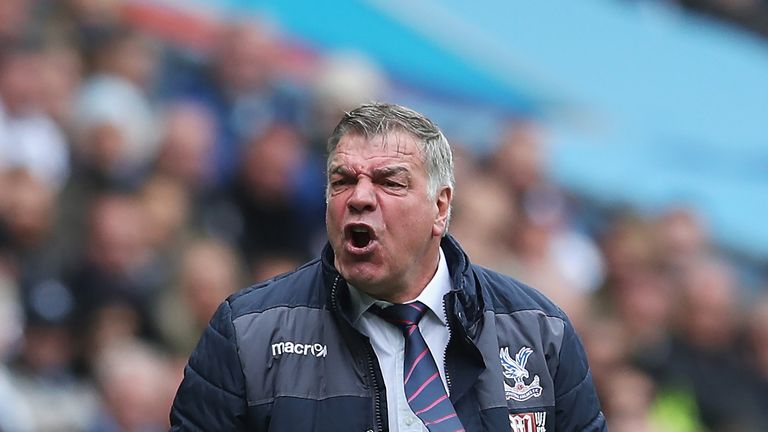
390 171
377 172
340 169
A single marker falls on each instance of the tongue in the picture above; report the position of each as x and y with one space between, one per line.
360 239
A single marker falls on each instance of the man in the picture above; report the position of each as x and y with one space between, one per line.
392 329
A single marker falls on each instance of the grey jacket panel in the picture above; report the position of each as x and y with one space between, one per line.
295 352
543 335
490 388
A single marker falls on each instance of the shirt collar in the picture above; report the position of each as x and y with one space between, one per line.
431 296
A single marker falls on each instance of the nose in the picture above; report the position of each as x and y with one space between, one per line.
363 197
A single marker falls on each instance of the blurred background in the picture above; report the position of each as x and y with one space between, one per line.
156 156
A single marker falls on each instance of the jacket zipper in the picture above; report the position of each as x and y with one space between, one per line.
376 398
369 360
445 352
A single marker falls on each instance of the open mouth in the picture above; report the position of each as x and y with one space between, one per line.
360 236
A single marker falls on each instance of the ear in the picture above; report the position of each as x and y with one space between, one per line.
443 203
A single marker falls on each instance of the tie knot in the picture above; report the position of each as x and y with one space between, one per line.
401 315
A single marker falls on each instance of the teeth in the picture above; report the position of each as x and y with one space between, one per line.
359 229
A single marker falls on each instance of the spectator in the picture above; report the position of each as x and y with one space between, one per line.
573 253
265 194
628 401
114 278
243 89
44 371
608 350
29 139
342 81
209 272
706 357
482 219
520 156
113 114
60 78
186 144
27 216
136 384
630 246
646 304
682 237
165 207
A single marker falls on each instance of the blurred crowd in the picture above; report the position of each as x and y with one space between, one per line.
142 181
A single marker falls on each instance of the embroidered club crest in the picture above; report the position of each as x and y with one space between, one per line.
515 370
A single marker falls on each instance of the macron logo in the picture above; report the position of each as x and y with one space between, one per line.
314 350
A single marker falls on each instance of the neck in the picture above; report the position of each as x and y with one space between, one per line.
412 287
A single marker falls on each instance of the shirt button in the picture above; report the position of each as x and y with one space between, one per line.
409 421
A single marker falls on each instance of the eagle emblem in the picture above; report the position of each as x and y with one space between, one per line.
514 370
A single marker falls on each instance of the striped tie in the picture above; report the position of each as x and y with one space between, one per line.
423 386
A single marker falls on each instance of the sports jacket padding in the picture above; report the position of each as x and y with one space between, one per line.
283 356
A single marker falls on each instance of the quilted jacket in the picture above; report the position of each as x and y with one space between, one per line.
283 356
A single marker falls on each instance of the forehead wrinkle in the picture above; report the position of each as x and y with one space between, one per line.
397 146
401 140
350 158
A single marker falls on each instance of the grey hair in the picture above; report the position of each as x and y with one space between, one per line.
379 119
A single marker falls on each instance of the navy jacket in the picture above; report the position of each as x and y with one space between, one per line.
283 356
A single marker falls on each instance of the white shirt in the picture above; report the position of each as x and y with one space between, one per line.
388 343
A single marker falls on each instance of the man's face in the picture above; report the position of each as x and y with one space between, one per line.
384 228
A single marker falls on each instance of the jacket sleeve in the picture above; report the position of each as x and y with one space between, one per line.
211 396
576 405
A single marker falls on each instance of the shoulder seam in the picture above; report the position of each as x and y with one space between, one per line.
206 380
274 398
531 310
283 305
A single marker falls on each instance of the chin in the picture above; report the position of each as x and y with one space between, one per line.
361 275
356 275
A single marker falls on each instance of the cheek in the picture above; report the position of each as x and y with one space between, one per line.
332 206
334 214
329 214
409 220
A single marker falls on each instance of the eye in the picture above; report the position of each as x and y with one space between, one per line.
393 184
339 180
